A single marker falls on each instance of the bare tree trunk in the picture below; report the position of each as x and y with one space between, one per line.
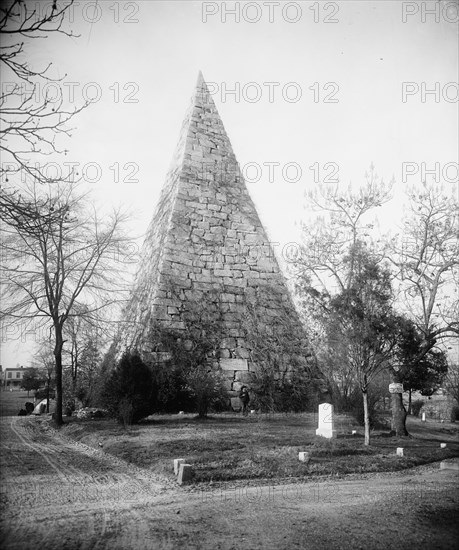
74 369
398 427
58 362
398 422
366 417
409 402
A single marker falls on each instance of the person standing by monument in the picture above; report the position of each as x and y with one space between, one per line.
245 400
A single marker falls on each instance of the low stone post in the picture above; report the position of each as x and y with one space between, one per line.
185 474
177 462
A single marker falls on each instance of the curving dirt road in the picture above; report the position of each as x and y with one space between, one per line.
56 493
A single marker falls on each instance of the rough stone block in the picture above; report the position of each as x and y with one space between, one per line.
177 462
399 451
234 364
236 404
185 474
228 384
242 353
304 457
228 343
442 445
242 376
223 273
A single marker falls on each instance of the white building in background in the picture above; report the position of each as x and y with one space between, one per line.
11 377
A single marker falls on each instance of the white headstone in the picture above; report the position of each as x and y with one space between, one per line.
442 445
399 451
354 432
326 421
303 457
423 417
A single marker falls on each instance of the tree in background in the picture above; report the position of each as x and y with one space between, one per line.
84 340
33 114
52 248
416 370
424 256
342 219
31 380
364 319
129 392
44 361
452 381
53 269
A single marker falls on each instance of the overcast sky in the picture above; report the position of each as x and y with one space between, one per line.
337 72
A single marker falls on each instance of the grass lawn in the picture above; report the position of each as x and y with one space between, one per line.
11 402
228 447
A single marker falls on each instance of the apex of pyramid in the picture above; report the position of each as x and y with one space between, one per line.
200 82
201 96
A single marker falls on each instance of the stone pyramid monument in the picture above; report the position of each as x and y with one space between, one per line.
206 244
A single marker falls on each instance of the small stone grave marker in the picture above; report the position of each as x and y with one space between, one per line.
442 445
399 451
449 465
177 462
304 457
185 473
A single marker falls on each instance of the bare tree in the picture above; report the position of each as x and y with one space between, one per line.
451 381
44 362
426 255
33 113
85 336
343 221
54 269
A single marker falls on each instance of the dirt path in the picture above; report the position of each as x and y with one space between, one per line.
56 493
